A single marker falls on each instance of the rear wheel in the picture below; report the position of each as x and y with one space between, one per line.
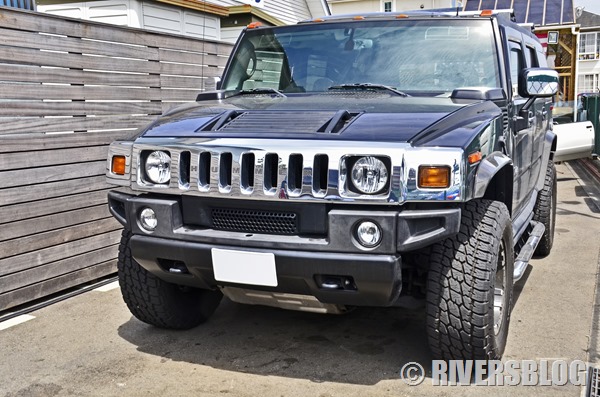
545 211
470 284
157 302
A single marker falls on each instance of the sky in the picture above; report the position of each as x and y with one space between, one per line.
590 5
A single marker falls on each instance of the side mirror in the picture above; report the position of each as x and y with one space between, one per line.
538 82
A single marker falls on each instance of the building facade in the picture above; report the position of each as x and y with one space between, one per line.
216 20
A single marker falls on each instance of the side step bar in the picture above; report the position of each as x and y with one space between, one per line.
528 249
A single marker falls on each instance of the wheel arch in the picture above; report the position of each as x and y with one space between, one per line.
494 179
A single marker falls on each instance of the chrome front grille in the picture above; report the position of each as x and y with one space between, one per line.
253 221
281 169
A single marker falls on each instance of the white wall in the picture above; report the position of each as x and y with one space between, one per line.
117 12
358 6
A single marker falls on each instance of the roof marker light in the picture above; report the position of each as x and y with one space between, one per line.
358 18
318 20
254 25
400 16
486 13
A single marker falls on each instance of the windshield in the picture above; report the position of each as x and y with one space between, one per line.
423 56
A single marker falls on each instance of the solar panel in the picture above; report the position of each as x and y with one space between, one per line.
556 11
488 4
520 8
472 5
535 15
503 4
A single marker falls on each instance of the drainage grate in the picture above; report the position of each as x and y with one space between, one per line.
593 382
251 221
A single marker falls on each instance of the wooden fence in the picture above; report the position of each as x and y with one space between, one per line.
67 89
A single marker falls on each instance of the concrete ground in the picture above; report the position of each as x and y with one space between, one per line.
90 345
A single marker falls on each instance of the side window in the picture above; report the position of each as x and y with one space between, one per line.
531 57
515 61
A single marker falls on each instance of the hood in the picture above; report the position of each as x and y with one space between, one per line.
329 116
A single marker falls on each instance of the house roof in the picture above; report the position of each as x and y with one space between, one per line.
537 12
589 20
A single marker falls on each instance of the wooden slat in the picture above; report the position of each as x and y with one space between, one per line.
27 56
36 242
37 74
46 223
21 20
191 57
18 125
40 158
39 274
49 174
27 142
43 191
51 254
48 287
16 212
10 37
36 91
27 108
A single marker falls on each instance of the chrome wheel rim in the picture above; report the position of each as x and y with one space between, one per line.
499 290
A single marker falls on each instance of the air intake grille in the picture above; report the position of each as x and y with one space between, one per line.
250 221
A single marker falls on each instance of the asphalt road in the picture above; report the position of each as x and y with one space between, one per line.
90 345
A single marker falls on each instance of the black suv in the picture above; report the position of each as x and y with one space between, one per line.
349 161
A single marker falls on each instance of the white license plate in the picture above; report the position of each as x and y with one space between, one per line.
243 267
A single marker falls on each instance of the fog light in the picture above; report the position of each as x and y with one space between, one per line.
148 219
368 234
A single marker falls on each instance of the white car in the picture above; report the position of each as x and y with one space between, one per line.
575 140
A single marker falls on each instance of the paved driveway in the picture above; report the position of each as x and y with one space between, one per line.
90 345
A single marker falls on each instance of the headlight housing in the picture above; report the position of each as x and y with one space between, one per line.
158 167
369 175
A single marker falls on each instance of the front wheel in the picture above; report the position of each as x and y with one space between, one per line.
157 302
470 284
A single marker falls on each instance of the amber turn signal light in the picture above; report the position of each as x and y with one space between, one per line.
254 25
434 177
118 165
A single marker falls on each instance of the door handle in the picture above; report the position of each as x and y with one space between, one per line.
530 118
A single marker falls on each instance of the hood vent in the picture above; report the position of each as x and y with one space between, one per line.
260 121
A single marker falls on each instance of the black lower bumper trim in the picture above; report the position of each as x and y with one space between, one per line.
377 277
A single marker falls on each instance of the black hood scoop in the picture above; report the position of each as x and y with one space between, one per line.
264 121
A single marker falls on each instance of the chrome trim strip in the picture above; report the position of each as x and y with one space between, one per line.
405 161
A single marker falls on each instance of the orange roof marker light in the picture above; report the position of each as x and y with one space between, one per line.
254 25
358 18
400 16
318 20
486 13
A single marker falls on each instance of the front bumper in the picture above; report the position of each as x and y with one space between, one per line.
181 253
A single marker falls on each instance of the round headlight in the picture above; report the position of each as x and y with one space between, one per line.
368 234
158 167
369 175
148 219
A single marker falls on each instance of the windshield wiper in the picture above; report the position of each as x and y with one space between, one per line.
367 86
261 90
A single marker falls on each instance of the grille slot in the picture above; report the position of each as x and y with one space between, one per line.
271 163
295 173
254 221
225 171
247 172
204 171
320 171
184 170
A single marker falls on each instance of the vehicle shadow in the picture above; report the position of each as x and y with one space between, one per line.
363 347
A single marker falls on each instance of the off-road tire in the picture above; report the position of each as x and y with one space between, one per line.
545 211
461 285
157 302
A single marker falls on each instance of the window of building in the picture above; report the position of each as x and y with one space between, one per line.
387 6
588 83
589 47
